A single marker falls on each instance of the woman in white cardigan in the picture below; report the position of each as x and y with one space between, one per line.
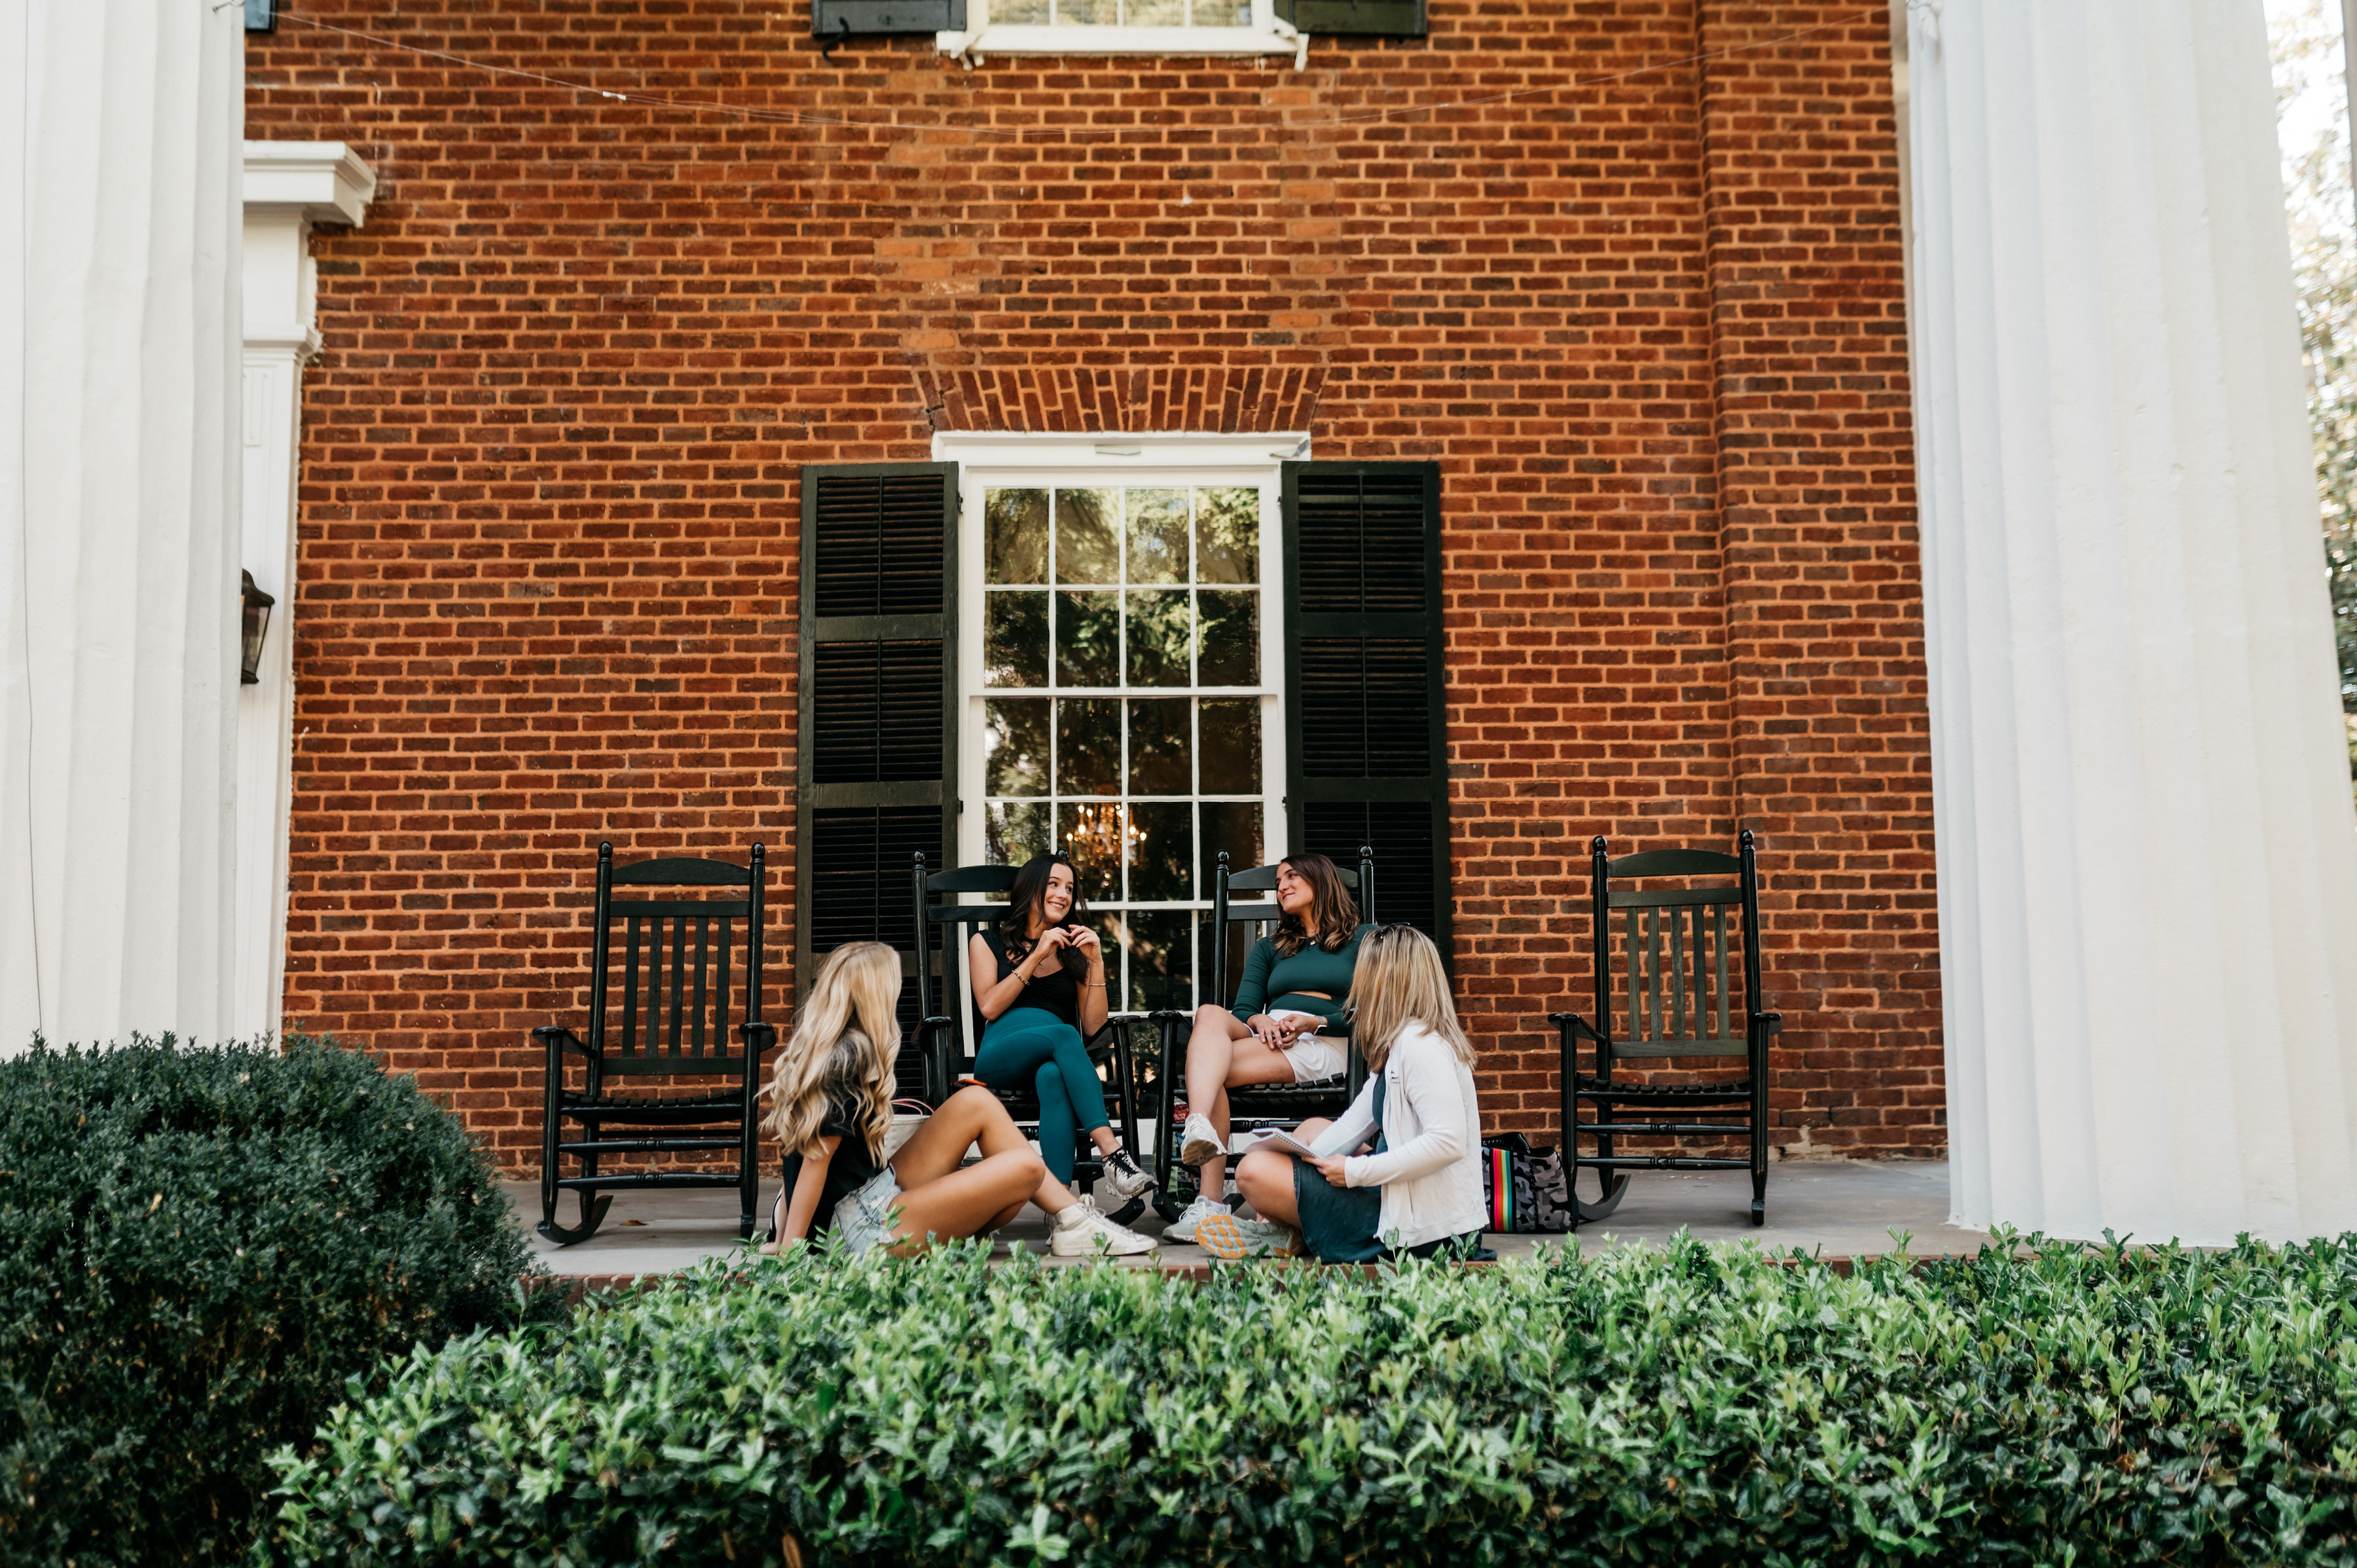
1418 1192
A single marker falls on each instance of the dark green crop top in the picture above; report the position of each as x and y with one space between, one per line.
1271 983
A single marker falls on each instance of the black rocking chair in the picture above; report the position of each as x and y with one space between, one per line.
1675 998
950 1034
1253 1106
673 1025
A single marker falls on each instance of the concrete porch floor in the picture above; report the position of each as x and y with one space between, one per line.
1833 1208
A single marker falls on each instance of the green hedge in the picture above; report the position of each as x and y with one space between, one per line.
1683 1406
197 1247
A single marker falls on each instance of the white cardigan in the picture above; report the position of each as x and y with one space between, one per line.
1430 1169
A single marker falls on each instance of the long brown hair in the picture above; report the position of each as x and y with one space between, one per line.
1332 906
1029 896
1399 983
845 1041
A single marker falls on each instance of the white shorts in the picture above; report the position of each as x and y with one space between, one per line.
1315 1056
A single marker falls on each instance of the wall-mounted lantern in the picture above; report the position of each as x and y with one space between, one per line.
257 621
261 16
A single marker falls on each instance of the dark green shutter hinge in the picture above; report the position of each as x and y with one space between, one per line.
1355 18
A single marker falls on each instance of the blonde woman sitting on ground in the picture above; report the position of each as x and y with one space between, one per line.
832 1102
1418 1192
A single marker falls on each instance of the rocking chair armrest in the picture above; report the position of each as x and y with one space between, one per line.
1572 1026
758 1037
1110 1037
1170 1055
558 1033
1768 1023
937 1040
1122 1060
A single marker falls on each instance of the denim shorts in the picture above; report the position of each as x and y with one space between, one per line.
864 1215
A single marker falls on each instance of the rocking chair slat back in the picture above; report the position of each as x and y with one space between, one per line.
959 921
674 1012
1678 1003
1680 998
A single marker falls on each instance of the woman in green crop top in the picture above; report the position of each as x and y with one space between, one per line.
1289 1008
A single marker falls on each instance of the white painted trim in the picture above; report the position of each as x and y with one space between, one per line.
283 336
1190 458
320 182
288 186
1190 449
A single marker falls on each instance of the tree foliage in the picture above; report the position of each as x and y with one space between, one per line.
2312 102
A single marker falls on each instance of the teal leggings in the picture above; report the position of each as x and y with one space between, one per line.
1031 1046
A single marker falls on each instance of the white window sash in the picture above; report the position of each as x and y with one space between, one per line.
994 460
1268 35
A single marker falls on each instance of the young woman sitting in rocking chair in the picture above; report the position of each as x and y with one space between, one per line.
1290 1008
1039 979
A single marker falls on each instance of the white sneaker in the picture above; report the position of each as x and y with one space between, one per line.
1183 1227
1122 1174
1201 1141
1082 1232
1237 1237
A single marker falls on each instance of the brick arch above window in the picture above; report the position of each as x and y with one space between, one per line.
1227 399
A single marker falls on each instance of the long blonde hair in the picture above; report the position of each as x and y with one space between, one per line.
845 1041
1399 981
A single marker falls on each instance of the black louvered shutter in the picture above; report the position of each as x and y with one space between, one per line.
1366 758
878 759
1356 18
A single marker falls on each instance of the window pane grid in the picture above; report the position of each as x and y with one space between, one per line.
1109 612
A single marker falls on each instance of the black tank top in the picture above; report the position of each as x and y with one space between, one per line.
1059 992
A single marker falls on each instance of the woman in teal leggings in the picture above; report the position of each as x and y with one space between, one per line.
1041 982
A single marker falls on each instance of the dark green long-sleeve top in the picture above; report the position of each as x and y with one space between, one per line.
1271 983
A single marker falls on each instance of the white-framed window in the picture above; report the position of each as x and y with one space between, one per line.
1124 26
1120 644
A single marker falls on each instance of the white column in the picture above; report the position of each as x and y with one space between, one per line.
289 186
118 486
2148 872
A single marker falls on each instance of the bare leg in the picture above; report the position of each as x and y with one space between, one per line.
1265 1176
1221 1053
972 1201
938 1197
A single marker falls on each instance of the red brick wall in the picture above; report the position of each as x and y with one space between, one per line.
1823 583
1651 326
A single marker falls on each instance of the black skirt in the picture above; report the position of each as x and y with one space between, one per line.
1339 1224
